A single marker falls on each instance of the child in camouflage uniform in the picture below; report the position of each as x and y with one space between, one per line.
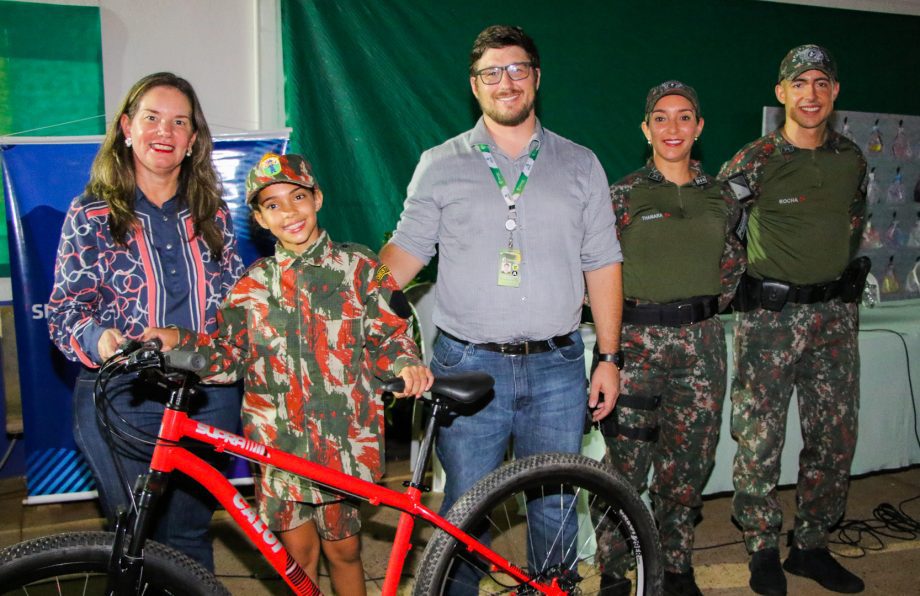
308 329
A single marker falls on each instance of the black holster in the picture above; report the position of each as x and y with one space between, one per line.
747 297
853 280
610 426
752 293
589 412
773 294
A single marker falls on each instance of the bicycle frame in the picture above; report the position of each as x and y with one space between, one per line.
169 456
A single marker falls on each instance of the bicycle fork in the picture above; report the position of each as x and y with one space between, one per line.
126 566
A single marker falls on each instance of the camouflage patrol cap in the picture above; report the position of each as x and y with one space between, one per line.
670 88
274 168
805 58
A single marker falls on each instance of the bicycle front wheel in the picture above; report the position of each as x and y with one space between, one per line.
547 514
76 563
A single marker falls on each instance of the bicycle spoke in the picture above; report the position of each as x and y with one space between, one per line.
563 503
573 506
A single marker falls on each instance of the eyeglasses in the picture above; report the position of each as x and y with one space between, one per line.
493 75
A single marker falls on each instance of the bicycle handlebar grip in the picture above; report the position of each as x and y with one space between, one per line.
190 361
395 385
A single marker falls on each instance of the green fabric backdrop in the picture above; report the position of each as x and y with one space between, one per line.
371 84
50 77
50 69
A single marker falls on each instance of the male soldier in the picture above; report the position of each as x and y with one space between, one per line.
512 268
797 327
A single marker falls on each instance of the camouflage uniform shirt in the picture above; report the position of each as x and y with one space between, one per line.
808 207
308 333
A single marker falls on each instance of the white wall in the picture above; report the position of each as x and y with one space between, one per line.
230 50
908 7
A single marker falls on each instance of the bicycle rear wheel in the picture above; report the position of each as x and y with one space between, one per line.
76 563
544 514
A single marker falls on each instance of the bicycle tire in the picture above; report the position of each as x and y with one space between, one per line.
603 498
76 563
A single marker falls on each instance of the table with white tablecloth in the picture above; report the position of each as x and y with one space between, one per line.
889 346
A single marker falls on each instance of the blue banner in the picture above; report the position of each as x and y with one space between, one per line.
41 177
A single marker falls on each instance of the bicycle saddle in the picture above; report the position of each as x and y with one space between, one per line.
463 388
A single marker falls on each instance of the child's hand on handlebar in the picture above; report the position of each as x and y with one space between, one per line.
418 380
168 336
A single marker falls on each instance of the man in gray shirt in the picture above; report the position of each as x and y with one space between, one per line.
522 221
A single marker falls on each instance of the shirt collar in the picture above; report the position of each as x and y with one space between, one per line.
699 178
480 136
316 254
145 205
831 143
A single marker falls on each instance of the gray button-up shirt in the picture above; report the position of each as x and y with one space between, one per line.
565 226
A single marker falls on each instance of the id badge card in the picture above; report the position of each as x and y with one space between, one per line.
509 267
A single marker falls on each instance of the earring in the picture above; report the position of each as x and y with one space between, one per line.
128 141
649 141
189 152
696 139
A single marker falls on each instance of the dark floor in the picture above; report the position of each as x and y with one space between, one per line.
720 560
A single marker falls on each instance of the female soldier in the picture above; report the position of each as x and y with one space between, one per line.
681 263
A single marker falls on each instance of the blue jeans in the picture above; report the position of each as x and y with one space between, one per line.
184 512
539 406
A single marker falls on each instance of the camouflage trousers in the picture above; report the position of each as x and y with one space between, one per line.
813 349
684 368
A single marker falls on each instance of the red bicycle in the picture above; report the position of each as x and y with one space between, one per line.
530 527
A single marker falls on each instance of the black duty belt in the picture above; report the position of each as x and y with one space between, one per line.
520 348
809 294
672 314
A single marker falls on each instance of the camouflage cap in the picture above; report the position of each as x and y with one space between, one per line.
274 168
670 88
804 58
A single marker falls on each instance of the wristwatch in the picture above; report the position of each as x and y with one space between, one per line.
616 358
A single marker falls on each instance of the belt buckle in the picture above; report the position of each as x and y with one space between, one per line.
511 348
516 349
685 313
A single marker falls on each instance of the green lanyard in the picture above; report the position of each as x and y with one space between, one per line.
509 196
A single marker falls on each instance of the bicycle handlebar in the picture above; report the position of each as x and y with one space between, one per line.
463 388
148 354
190 361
